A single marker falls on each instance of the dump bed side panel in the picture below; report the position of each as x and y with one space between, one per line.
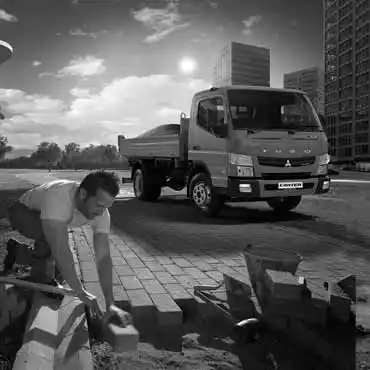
150 147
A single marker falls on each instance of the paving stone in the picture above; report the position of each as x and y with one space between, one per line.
90 276
88 265
144 274
131 282
195 273
135 263
153 287
168 312
174 269
143 312
177 291
165 277
202 265
230 262
121 297
119 261
95 289
215 275
211 260
182 262
154 266
124 270
163 260
206 282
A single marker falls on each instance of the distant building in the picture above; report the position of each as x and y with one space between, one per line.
311 81
240 64
347 76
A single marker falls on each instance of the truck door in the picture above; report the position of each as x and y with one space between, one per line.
208 139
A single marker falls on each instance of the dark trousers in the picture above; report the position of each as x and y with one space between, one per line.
28 223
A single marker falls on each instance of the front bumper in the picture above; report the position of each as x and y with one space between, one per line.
257 189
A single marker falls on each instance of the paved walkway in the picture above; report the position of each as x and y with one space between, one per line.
152 282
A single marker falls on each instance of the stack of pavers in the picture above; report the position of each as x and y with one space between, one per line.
272 291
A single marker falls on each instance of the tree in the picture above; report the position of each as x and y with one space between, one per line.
4 147
47 153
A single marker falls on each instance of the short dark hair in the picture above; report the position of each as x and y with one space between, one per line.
107 181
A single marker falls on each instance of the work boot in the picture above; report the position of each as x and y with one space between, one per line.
16 253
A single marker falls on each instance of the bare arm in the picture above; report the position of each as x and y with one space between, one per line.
104 265
56 235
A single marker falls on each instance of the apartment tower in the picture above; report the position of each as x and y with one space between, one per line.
347 72
311 81
240 64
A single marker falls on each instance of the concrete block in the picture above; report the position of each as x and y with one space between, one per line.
313 310
88 265
122 339
237 282
168 312
339 302
183 298
348 284
195 273
142 310
182 262
186 281
284 284
153 287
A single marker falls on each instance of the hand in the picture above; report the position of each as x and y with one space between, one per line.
92 303
117 316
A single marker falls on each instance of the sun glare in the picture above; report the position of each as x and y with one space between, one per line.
188 65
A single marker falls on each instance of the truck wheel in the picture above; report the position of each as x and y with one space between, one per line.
284 204
143 189
203 195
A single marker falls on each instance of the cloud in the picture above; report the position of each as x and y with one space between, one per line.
294 23
36 63
126 106
161 21
7 17
213 4
83 67
249 23
79 32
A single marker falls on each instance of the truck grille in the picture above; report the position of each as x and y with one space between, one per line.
281 162
286 176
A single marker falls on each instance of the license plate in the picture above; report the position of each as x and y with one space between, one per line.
290 185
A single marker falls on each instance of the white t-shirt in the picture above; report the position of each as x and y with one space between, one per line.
55 201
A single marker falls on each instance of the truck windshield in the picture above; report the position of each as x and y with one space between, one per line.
271 110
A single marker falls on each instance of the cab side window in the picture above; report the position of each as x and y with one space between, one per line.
211 115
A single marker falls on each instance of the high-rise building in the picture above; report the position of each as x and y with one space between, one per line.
311 81
347 72
240 64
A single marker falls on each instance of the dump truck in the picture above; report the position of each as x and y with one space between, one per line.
239 144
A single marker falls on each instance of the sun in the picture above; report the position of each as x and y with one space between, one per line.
188 65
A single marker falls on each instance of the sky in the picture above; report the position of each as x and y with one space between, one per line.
86 71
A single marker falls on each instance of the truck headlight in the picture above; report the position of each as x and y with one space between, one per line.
243 163
241 160
324 161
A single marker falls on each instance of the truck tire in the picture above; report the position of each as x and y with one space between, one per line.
284 204
204 197
144 189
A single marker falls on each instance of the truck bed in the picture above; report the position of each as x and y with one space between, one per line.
166 146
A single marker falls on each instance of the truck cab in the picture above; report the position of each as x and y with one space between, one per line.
239 144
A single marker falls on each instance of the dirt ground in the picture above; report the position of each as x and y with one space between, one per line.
345 214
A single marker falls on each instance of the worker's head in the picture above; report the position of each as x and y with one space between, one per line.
96 193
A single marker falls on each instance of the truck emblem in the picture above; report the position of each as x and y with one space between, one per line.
292 151
287 163
307 151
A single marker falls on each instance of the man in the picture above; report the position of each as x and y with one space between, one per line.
45 213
